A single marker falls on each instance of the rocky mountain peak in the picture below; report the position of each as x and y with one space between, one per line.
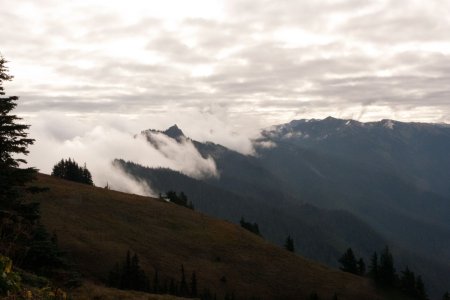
174 132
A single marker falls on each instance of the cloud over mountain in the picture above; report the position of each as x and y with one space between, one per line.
99 146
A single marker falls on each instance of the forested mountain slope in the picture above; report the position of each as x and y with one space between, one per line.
390 179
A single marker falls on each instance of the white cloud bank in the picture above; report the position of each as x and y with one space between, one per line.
97 146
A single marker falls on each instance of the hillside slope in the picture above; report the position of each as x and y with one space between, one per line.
389 176
97 226
319 234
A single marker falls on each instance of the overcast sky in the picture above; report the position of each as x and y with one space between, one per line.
236 61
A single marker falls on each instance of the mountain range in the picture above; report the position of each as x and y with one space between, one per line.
332 184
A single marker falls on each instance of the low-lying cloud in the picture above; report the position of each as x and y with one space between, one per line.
182 156
98 146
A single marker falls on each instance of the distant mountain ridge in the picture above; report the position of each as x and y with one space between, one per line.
391 177
418 149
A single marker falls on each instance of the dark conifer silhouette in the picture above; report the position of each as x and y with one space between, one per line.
173 289
420 289
373 268
194 285
408 282
184 291
69 169
386 270
180 199
252 227
348 262
13 143
156 282
361 267
23 238
289 244
129 275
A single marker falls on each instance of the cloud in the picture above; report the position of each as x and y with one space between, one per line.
98 146
181 156
266 60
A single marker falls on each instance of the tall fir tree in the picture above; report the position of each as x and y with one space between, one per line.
386 270
184 290
156 282
194 285
361 267
348 262
129 275
420 289
373 268
18 218
289 244
13 142
408 282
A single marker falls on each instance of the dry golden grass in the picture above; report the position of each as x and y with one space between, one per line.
97 227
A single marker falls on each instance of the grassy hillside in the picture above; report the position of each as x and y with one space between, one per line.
319 234
97 227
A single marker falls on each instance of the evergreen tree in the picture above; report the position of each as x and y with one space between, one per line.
173 290
165 288
42 252
135 280
386 270
183 199
289 244
420 289
249 226
23 238
114 277
408 282
361 267
18 218
156 282
70 170
184 291
373 268
13 143
86 175
348 262
206 295
194 285
129 275
180 199
446 296
126 280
